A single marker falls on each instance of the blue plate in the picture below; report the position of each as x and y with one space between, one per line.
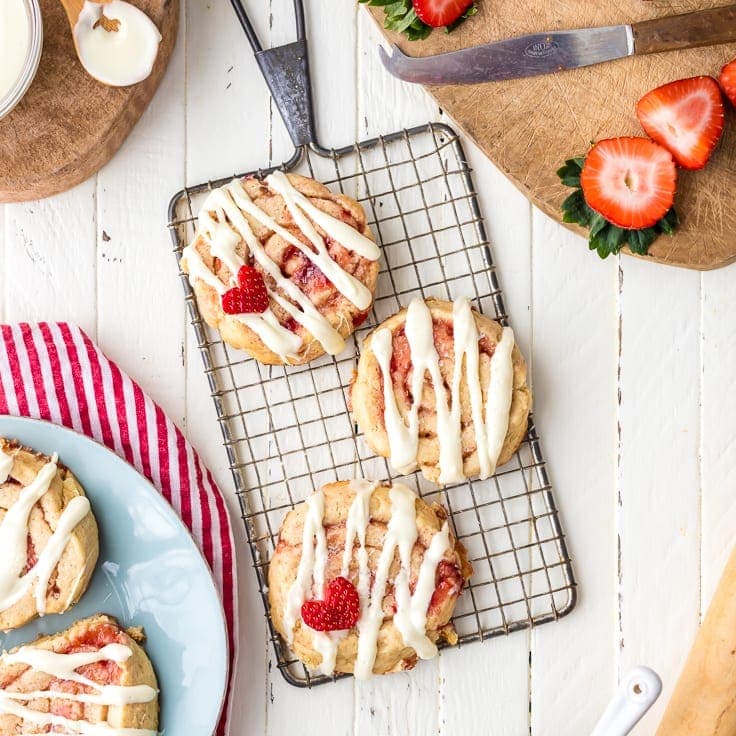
150 573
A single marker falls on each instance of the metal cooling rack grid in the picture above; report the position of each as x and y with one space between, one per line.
287 430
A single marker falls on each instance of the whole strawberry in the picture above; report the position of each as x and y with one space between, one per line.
439 13
338 611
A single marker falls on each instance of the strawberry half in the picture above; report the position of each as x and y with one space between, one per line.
686 117
439 13
727 81
629 181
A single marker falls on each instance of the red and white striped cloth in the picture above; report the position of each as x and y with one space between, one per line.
53 371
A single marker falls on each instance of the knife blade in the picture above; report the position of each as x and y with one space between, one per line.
556 51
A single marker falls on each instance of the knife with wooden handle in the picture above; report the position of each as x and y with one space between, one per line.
555 51
704 700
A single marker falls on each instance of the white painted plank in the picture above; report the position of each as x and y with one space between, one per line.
50 259
659 471
718 428
575 352
139 318
227 100
3 271
227 120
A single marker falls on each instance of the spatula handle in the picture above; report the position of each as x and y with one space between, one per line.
701 28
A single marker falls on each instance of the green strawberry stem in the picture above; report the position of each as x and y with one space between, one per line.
605 237
401 18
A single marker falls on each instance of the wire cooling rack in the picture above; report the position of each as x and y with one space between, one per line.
287 430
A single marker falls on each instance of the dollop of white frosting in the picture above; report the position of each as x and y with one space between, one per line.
490 421
222 223
401 534
121 57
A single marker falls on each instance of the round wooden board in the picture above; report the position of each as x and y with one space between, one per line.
528 127
69 125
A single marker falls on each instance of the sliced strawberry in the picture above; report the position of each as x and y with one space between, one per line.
686 117
438 13
252 283
727 81
233 301
249 297
339 610
629 181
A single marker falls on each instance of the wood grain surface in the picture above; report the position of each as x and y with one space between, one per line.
528 127
703 702
69 125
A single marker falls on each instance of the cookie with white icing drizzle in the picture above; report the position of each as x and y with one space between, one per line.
313 252
400 555
48 536
442 388
94 678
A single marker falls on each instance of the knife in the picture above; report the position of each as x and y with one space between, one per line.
555 51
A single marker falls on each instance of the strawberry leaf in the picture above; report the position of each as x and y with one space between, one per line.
469 13
604 237
401 18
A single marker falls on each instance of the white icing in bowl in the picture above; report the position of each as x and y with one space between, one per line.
21 40
120 57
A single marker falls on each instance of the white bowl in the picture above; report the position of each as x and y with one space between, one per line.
33 57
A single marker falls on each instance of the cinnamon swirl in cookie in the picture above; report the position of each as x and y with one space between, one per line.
48 536
442 388
94 678
365 578
282 267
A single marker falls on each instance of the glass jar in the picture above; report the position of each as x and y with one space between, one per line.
13 89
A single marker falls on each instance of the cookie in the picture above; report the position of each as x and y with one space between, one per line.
442 388
365 578
314 261
94 673
47 531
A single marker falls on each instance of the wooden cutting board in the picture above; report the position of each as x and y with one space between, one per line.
528 127
69 125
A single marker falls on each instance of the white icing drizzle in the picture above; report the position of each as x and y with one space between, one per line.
6 465
63 667
490 432
228 203
411 609
310 573
13 542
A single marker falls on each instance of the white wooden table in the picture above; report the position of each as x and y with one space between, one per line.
632 370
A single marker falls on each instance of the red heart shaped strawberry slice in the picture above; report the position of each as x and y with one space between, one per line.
339 610
250 297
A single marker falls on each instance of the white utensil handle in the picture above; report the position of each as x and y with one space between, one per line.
636 694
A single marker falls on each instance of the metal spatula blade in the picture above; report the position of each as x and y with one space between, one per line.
555 51
524 56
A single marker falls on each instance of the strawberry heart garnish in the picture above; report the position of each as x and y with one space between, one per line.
339 610
249 297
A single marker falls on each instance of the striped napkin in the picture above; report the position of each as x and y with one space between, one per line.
53 371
